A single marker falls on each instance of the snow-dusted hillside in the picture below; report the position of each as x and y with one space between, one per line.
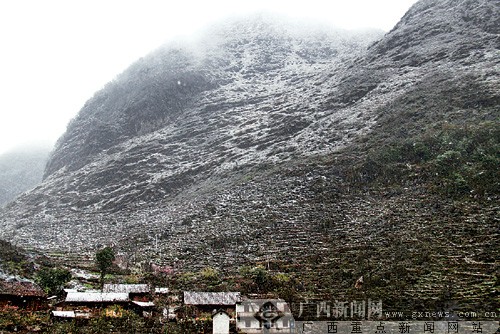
259 91
236 96
234 84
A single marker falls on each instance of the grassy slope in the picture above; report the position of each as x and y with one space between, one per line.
428 238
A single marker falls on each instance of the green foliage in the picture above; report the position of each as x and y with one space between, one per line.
101 325
209 273
104 260
173 328
64 328
8 252
126 322
193 326
9 318
186 278
457 159
210 277
131 279
13 319
52 279
261 278
255 279
281 278
14 260
245 271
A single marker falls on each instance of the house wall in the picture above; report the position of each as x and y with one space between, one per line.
200 310
139 297
221 323
28 303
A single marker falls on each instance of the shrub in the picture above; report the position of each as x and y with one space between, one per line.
456 160
52 279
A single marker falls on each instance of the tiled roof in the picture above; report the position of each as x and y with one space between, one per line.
96 297
17 288
211 298
126 288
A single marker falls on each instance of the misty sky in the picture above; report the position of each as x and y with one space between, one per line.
57 53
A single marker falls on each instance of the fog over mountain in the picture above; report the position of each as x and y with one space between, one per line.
336 154
21 169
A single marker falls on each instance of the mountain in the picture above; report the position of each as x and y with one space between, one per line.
21 170
235 97
231 71
331 155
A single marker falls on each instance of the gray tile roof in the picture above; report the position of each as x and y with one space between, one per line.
211 298
96 297
16 288
126 288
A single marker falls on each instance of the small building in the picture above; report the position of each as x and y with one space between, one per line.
137 292
257 315
22 294
206 303
94 303
220 322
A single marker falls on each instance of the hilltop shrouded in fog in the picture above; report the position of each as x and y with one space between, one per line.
21 169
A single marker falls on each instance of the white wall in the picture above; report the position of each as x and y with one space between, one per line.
221 323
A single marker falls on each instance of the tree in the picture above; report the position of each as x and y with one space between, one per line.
104 260
261 278
52 279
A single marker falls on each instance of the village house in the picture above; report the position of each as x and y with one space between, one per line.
134 297
136 292
264 316
90 304
139 295
204 304
23 294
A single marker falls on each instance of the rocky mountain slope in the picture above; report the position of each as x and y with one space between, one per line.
235 97
21 170
323 152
